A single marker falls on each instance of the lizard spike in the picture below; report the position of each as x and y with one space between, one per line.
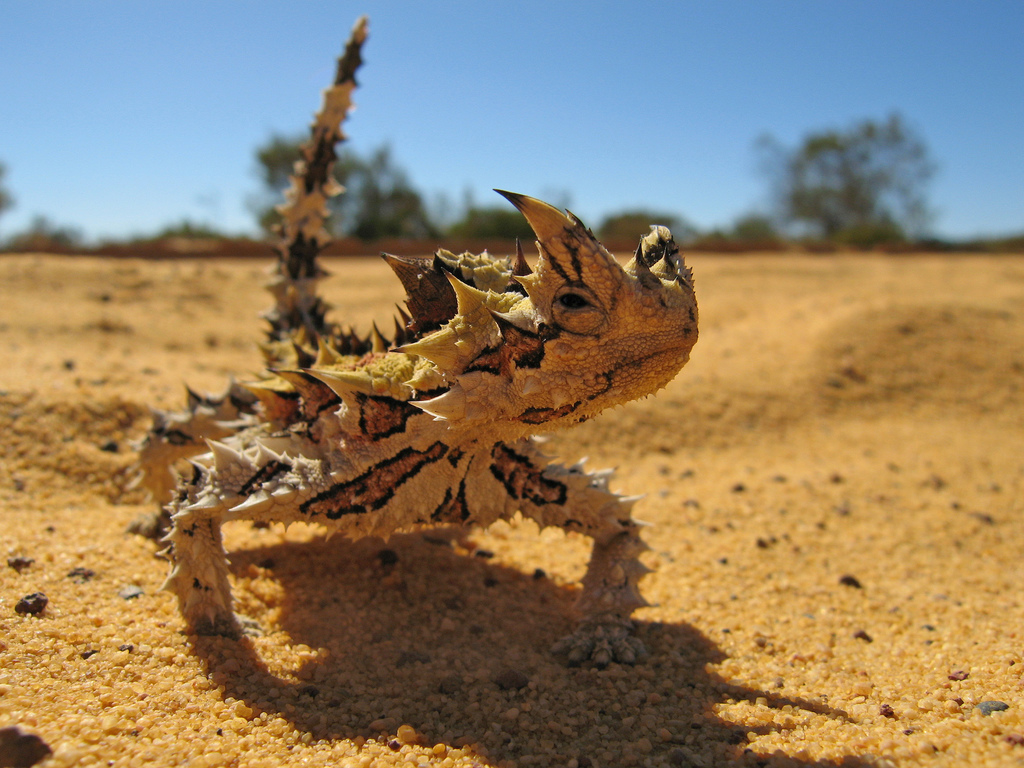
325 353
344 383
519 267
302 355
283 491
378 343
359 345
437 348
225 457
508 325
202 469
343 342
532 385
470 300
257 502
193 399
451 406
529 282
400 332
547 222
637 262
429 296
277 405
209 501
265 456
406 320
559 397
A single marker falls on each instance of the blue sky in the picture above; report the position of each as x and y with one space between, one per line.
120 117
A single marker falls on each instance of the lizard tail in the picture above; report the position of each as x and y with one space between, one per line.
298 312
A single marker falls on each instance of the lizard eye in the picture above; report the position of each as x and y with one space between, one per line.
578 310
573 301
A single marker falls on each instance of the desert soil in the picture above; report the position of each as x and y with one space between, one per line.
835 485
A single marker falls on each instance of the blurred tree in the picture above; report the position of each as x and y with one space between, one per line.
6 201
385 202
861 186
634 224
187 229
43 235
274 163
754 226
379 200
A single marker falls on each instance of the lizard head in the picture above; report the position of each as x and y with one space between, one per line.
561 343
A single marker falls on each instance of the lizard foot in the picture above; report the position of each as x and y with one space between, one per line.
601 643
234 627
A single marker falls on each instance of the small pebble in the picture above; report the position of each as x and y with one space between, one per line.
988 707
81 575
19 563
412 657
109 446
860 634
959 675
509 679
850 581
130 592
387 557
450 685
32 604
407 734
19 749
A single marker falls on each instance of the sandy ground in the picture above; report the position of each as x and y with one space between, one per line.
836 484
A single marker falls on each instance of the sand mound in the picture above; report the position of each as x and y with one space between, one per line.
953 356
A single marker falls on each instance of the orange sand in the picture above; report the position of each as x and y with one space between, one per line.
836 484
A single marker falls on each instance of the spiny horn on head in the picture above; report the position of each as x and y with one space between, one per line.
566 246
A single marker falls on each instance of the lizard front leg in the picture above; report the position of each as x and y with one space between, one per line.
571 499
199 572
199 576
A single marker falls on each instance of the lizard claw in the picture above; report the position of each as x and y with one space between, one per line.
602 644
234 628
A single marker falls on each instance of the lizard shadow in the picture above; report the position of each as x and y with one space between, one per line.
413 632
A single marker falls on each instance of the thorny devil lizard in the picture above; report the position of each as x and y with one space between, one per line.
435 427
